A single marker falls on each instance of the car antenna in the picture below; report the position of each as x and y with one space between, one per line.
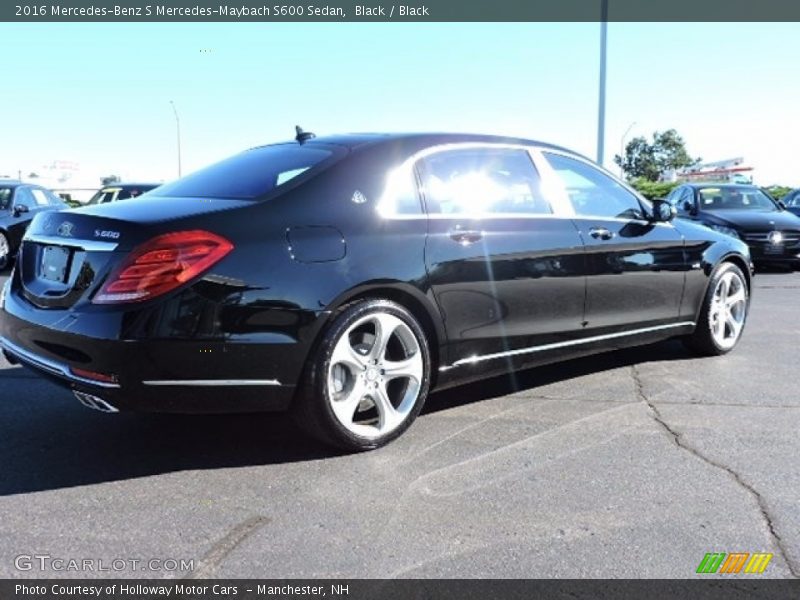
303 136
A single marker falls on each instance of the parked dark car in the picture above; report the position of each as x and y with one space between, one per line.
792 202
19 203
345 277
745 212
121 191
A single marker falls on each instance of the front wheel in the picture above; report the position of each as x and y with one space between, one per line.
368 379
724 312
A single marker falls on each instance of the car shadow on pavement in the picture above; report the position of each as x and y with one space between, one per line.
48 441
530 379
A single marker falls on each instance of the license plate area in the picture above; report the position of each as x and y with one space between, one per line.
774 249
55 264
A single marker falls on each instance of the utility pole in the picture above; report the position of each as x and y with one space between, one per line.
601 108
178 130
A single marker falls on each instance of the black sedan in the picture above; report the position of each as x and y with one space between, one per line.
19 203
744 212
345 277
792 202
121 191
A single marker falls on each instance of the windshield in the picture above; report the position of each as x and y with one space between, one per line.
5 198
735 198
248 175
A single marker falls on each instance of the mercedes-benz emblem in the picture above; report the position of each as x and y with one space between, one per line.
65 229
775 237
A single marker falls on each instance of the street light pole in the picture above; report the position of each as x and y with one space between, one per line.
622 147
601 108
178 130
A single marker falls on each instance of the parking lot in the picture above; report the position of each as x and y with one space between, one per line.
633 464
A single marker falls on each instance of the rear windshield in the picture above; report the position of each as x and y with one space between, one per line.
248 175
103 196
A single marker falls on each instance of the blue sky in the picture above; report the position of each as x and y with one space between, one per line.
98 94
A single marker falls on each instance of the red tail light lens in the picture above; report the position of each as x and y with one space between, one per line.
93 375
162 264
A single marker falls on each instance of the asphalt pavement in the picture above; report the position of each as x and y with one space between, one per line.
630 464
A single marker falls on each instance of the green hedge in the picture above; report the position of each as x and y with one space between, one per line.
653 189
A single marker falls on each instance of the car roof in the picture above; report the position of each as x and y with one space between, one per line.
10 183
354 140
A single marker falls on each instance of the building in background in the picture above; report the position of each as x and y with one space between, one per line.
732 170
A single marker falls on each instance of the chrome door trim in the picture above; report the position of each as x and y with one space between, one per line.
210 382
597 338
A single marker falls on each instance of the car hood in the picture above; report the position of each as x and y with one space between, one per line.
754 220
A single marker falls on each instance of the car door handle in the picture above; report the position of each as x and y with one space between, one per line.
601 233
465 236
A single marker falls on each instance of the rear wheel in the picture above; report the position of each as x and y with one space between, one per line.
368 379
724 312
5 251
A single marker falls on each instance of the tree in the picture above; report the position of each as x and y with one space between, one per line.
109 179
640 160
33 175
651 160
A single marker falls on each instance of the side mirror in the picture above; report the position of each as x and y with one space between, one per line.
19 209
663 211
689 207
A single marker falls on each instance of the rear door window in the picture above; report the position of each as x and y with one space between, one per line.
482 181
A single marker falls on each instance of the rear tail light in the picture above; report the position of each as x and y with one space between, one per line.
162 264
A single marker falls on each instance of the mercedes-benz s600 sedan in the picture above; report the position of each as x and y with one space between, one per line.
345 278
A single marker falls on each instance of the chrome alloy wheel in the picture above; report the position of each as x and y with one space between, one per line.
728 310
374 375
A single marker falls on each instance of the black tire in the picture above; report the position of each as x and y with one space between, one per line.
5 259
313 409
702 341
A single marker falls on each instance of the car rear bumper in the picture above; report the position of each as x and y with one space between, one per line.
178 376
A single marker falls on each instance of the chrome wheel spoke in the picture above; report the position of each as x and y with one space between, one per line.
345 354
385 326
388 417
733 326
409 368
345 407
735 298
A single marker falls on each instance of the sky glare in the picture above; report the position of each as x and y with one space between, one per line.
99 94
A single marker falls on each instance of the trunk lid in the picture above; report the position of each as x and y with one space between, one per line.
66 254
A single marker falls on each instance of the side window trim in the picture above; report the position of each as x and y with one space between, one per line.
552 186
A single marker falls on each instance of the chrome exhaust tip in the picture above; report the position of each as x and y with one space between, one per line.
95 403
